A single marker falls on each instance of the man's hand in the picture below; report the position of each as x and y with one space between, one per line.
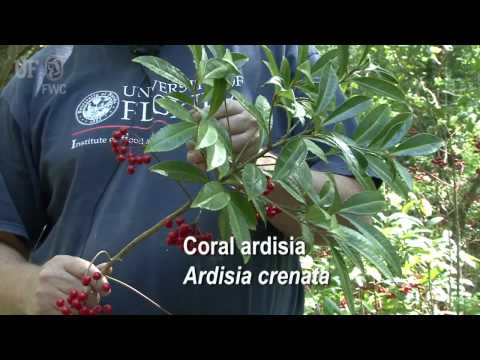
26 288
243 130
56 278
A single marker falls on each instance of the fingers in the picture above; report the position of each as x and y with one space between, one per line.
239 123
233 107
251 136
78 268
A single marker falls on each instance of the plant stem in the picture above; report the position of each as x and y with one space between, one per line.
119 256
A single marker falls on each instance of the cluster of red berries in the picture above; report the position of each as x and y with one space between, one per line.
439 162
76 303
183 230
120 147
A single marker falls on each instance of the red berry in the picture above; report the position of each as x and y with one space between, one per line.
131 169
122 149
65 310
138 159
270 186
125 143
121 158
106 287
60 303
107 309
97 309
169 224
73 293
123 130
132 160
76 304
84 310
82 296
117 135
179 221
86 280
147 159
96 276
114 142
184 230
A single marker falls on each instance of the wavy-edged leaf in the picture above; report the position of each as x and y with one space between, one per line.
381 87
180 171
171 137
165 69
327 88
418 145
345 282
372 125
271 62
364 203
212 196
254 181
207 133
293 153
350 108
239 228
176 109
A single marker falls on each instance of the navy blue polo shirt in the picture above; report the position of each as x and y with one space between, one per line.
62 191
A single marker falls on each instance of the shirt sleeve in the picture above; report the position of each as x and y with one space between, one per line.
22 211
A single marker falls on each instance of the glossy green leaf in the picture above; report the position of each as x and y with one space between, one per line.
254 181
207 133
170 137
418 145
327 88
212 197
293 153
364 203
239 228
180 170
350 108
176 109
381 87
271 62
218 96
165 69
345 282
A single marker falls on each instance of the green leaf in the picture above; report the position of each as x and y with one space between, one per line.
197 52
327 88
404 175
285 70
330 307
372 124
239 228
260 205
308 238
223 225
176 109
239 58
217 50
180 170
326 194
170 137
380 168
395 132
345 282
164 69
276 81
418 145
371 233
305 69
218 69
245 208
218 97
254 181
216 155
212 197
292 189
246 104
350 108
343 57
357 241
263 107
271 63
381 87
364 203
207 133
181 97
318 217
293 153
324 59
315 149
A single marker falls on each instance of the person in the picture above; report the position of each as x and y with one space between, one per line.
64 197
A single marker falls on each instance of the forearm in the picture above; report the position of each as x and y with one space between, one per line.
288 225
16 273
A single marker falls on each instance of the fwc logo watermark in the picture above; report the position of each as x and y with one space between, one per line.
51 68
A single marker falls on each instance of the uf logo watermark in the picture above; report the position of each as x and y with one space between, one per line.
51 68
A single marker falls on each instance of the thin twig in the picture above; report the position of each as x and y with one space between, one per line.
138 293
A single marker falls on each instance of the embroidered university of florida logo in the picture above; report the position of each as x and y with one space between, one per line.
97 107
